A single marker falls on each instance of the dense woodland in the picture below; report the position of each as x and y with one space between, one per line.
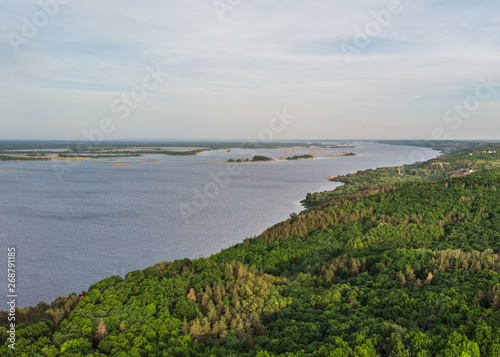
400 262
485 157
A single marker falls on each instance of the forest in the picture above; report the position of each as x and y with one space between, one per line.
398 262
255 158
300 157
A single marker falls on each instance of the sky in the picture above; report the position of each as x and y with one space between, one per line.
234 69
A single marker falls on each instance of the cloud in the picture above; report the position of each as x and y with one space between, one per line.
226 76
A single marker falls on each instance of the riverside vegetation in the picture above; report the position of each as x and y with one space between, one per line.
29 150
399 262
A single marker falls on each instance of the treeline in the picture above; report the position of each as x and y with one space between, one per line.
446 146
435 169
51 314
22 158
256 158
300 157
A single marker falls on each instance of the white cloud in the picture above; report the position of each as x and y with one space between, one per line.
228 75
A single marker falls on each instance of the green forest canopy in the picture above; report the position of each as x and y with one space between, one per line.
397 262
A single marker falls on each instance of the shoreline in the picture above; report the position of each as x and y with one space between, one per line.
269 225
133 151
294 158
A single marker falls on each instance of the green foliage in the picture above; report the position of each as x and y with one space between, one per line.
261 158
22 158
56 312
256 158
409 268
467 160
300 157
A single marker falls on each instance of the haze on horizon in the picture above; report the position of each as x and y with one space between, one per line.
365 69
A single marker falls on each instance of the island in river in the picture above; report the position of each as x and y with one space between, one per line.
264 158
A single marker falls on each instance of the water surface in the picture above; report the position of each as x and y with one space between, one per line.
102 220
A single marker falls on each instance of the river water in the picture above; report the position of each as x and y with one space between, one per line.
100 220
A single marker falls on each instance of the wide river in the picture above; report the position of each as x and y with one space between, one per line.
100 220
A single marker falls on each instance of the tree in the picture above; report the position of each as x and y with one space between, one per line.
429 278
101 331
495 298
76 347
3 334
192 295
212 312
410 273
459 346
418 284
206 329
185 327
196 330
401 278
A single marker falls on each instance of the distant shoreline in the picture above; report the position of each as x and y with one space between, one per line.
294 158
20 153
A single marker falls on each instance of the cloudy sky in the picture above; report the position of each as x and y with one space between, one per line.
344 69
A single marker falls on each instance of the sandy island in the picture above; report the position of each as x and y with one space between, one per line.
156 160
166 148
235 162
